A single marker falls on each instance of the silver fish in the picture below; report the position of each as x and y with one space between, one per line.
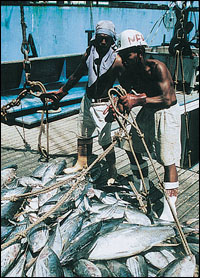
159 259
107 198
133 215
118 269
10 208
84 237
38 236
70 228
19 227
68 272
29 181
6 231
85 268
44 197
40 169
181 267
55 241
103 268
53 170
47 264
18 269
9 256
137 266
50 203
7 175
129 241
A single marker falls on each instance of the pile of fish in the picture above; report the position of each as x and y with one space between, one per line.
93 233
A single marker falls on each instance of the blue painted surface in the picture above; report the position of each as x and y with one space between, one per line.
61 30
36 117
33 102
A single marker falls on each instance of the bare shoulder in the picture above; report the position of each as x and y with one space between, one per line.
158 68
118 63
156 63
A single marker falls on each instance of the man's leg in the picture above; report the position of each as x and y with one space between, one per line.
84 149
171 185
136 174
111 160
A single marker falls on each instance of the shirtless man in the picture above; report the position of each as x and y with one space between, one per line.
103 65
159 118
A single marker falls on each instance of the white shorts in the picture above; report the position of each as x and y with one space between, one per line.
162 131
91 117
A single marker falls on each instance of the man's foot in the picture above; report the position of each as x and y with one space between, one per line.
76 168
167 214
112 174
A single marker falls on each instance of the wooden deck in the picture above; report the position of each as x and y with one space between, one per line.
62 139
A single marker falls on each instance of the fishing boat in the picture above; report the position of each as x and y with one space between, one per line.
47 54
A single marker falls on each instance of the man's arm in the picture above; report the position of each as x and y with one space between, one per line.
56 96
163 86
74 78
164 89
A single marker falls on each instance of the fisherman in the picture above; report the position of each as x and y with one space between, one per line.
159 118
102 64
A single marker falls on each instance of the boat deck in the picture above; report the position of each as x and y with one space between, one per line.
62 145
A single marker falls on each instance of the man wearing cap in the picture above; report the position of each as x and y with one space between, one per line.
102 64
149 84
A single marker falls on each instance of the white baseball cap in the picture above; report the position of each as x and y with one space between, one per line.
129 38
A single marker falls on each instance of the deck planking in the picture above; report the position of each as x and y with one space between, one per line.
62 145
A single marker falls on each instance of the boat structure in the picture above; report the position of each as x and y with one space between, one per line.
75 225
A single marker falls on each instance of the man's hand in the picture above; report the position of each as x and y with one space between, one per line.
54 97
131 100
111 113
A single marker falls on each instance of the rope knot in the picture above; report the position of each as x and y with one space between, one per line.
140 134
13 198
22 234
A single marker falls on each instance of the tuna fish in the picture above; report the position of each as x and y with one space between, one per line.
47 264
159 259
38 236
129 241
40 169
9 208
118 269
53 170
181 267
18 269
85 268
7 175
137 266
82 239
9 256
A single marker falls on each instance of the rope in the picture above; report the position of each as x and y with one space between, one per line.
40 191
64 198
120 91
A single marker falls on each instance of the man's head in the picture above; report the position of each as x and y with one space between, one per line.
131 46
105 35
